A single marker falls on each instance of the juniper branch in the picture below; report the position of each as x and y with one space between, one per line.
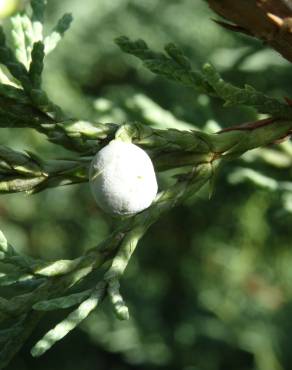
248 95
112 249
28 172
82 136
173 65
168 149
38 10
19 40
37 64
26 65
16 68
57 33
67 283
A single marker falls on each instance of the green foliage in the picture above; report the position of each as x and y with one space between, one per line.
62 302
53 39
174 66
37 64
246 96
193 156
73 319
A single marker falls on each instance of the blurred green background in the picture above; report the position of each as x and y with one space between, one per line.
210 286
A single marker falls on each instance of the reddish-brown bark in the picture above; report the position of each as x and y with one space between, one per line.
268 20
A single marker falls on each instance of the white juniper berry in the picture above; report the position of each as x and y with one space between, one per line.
122 178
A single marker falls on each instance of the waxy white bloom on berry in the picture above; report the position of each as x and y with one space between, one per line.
122 178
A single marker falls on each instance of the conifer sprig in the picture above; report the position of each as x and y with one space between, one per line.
27 172
174 65
63 284
52 40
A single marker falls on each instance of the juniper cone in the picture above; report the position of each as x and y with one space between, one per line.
68 284
122 178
